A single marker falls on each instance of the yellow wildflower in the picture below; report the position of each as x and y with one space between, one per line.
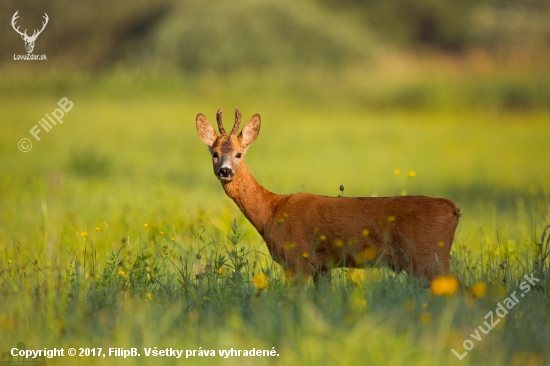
370 253
367 255
356 276
479 289
260 281
444 285
289 245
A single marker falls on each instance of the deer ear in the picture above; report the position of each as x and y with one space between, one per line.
206 132
250 131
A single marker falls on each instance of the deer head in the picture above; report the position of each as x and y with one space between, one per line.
29 41
228 151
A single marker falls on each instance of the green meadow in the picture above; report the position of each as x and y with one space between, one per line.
114 231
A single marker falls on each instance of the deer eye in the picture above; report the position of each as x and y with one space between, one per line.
238 155
215 155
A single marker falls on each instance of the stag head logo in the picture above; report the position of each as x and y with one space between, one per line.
29 41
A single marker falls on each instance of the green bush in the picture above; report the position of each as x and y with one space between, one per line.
251 34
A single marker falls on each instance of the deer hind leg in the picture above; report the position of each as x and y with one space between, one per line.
424 265
442 254
428 272
428 265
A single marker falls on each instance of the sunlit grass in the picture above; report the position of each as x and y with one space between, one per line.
143 248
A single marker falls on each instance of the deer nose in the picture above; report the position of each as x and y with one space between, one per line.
225 172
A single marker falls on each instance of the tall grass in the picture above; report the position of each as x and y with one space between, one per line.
115 233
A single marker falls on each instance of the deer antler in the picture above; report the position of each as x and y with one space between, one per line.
219 115
237 122
13 19
35 35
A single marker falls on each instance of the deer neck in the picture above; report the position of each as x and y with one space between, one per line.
255 202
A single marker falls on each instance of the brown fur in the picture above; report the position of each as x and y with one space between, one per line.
311 234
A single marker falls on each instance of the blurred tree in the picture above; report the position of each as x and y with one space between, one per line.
225 36
220 36
89 35
413 23
454 25
522 25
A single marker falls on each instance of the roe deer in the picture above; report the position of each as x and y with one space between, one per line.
309 234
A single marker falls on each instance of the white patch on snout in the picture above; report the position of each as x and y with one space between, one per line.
225 165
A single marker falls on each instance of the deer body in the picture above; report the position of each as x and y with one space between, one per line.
309 234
